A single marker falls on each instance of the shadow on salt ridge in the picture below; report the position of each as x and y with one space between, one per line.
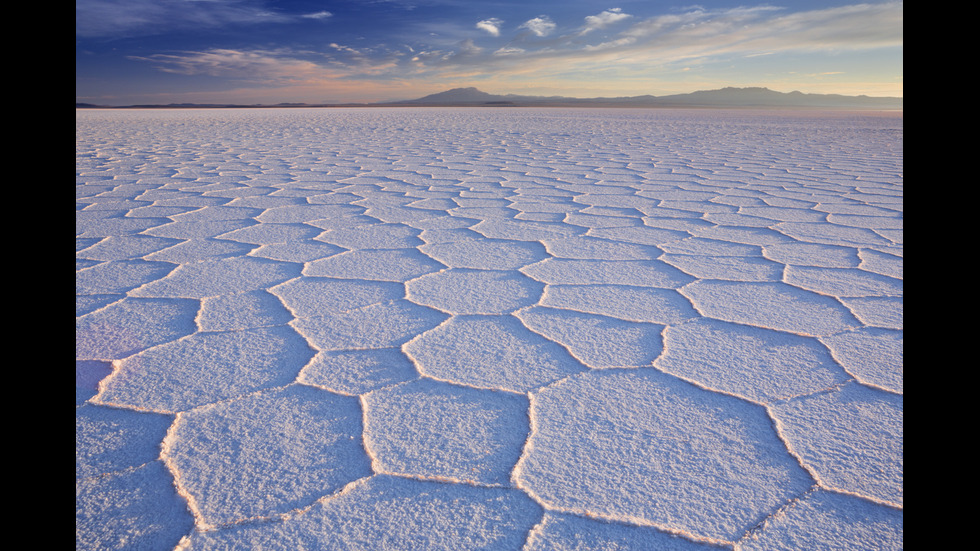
154 514
88 374
86 304
265 202
113 439
343 222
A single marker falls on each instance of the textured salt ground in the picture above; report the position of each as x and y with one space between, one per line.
485 329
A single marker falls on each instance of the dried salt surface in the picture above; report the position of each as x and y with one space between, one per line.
288 448
439 430
488 329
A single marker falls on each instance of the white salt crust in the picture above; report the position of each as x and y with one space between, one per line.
488 329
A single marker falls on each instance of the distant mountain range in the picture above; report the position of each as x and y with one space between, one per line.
725 97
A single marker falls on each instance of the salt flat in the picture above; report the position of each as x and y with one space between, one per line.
488 329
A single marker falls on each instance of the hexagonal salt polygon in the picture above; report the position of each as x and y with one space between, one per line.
490 352
643 445
205 368
463 291
267 453
434 429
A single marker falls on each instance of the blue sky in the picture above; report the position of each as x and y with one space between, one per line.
267 51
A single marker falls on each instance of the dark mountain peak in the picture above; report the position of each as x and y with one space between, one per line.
458 95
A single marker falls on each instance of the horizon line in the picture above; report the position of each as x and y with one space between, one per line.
474 88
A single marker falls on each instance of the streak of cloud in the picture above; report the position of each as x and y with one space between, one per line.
257 65
318 15
540 26
104 18
604 19
491 26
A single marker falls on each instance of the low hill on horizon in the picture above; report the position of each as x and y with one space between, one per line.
725 97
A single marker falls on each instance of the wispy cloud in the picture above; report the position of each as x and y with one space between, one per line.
604 19
317 15
491 25
509 50
257 65
541 25
102 18
761 30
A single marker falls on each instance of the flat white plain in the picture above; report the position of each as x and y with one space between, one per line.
488 328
